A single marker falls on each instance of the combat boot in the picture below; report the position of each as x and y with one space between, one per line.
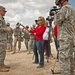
2 69
9 50
19 51
5 66
13 52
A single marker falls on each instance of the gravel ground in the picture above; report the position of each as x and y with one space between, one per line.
21 63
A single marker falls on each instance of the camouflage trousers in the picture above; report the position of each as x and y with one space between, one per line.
66 58
26 43
15 43
3 46
9 44
30 44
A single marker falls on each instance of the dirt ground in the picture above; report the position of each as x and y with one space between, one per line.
21 63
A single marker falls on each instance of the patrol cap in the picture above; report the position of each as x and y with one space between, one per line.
33 26
27 27
57 2
2 8
8 24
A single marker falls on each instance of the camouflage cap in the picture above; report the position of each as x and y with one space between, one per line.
33 25
27 27
57 2
2 8
8 24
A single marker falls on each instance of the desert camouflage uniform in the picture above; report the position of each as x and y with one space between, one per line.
3 38
26 38
10 38
17 38
65 19
31 42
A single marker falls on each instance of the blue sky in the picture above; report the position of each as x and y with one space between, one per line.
72 2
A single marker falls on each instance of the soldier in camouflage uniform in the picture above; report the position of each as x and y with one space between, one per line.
26 37
3 40
65 19
17 37
31 41
9 37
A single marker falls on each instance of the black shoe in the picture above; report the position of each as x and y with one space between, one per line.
40 66
35 62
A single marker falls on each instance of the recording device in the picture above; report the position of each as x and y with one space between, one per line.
52 11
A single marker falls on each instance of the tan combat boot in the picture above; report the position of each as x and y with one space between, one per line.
19 51
2 69
13 52
5 66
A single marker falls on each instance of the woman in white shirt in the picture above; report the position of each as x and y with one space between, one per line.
46 45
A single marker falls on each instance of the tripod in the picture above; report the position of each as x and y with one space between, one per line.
56 60
53 70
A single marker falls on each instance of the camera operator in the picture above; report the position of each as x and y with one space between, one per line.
65 19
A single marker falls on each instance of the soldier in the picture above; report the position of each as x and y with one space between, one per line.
3 40
9 37
26 37
17 37
65 19
31 41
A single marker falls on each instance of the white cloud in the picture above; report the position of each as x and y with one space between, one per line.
26 11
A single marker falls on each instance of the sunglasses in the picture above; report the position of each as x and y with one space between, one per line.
39 20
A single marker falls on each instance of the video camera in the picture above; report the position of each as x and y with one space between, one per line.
51 13
54 9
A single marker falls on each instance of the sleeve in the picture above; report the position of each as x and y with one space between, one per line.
12 30
1 28
62 15
0 23
21 31
33 30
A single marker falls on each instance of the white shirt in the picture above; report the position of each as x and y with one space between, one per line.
46 34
